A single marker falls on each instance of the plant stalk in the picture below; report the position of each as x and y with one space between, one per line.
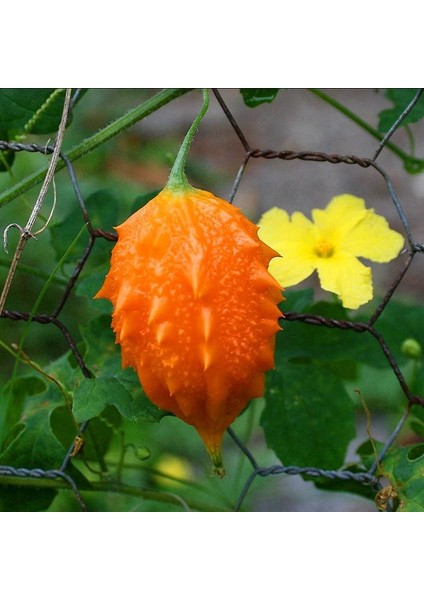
136 114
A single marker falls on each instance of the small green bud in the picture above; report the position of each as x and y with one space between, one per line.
142 453
412 348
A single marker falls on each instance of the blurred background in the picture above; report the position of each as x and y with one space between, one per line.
296 120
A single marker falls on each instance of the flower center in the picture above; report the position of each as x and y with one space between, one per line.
324 249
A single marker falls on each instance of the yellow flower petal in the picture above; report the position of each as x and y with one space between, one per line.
372 238
340 216
273 226
294 239
346 276
290 270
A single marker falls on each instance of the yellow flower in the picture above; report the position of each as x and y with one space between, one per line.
171 469
330 243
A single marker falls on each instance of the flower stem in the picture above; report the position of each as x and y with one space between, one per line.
177 178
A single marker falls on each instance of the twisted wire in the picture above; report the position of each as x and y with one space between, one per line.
44 319
358 327
312 156
20 147
364 478
9 471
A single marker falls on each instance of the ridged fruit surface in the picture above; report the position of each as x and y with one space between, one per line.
195 309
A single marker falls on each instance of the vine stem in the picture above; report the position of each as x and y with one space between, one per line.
363 124
133 116
177 178
26 233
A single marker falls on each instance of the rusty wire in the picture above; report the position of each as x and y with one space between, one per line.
365 478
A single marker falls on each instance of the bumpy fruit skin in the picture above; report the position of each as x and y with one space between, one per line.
195 308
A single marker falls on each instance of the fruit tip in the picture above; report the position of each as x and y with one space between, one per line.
218 465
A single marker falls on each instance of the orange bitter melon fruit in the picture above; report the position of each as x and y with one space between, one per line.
195 308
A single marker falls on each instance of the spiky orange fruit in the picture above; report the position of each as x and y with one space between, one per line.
195 308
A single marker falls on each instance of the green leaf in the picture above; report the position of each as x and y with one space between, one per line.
318 342
97 435
88 287
93 395
400 98
398 322
297 300
349 485
34 446
64 369
103 208
24 499
308 418
103 357
18 390
142 200
368 451
417 426
25 110
254 97
404 468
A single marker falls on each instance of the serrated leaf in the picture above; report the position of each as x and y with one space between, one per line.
401 99
404 468
308 418
64 369
35 446
93 395
103 357
255 96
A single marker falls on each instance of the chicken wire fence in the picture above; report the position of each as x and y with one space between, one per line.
63 477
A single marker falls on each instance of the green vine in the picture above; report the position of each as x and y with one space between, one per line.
133 116
412 164
29 126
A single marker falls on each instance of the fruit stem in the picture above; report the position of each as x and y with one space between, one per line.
177 178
